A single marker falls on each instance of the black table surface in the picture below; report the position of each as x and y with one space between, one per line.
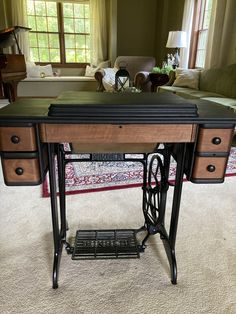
71 107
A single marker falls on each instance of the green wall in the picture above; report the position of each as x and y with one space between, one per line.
140 27
136 27
143 26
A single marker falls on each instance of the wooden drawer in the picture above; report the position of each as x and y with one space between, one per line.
117 134
17 139
209 167
214 140
21 171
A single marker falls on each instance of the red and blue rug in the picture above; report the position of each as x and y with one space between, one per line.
84 177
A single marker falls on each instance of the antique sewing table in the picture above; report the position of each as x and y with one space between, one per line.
109 126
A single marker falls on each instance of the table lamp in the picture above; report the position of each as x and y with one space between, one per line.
176 39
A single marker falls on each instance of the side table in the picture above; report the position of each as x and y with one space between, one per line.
158 79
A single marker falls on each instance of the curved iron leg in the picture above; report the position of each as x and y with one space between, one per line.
175 209
62 188
54 211
156 224
155 193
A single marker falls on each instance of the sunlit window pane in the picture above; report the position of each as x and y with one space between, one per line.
70 41
79 26
200 61
32 22
41 24
40 8
33 40
48 41
52 24
87 26
44 55
54 41
68 9
51 9
69 25
80 41
30 8
54 55
79 10
86 11
43 40
34 54
70 55
203 33
208 5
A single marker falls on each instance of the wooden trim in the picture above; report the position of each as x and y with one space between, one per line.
194 35
110 134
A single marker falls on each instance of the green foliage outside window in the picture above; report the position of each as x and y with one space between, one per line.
48 42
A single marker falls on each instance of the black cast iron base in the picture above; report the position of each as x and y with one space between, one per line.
95 244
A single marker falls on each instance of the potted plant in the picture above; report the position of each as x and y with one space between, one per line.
163 70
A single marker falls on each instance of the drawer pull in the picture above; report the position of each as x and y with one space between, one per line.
15 139
216 140
211 168
19 171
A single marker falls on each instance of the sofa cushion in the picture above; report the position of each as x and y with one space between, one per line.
221 81
187 78
187 92
228 102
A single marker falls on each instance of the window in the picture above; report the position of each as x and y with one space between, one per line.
60 32
202 14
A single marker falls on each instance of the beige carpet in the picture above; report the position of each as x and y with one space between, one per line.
206 255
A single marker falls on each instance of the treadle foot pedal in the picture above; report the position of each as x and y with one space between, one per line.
105 244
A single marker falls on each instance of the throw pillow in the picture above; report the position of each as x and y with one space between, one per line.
90 71
187 78
46 70
34 70
108 80
104 64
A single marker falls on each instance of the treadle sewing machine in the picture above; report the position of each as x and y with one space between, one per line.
108 126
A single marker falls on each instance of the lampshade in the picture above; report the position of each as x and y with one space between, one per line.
176 39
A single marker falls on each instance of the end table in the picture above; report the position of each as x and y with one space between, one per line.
158 79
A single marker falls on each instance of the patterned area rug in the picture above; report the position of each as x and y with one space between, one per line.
84 177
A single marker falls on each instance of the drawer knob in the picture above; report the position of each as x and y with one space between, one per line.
15 139
216 140
211 168
19 171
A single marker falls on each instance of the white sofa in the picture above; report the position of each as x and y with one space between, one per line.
46 81
215 85
52 86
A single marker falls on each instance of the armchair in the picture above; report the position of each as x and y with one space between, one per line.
138 68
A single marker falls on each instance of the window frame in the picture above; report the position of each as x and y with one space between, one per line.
197 28
61 34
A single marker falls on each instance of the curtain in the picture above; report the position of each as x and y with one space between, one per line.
187 27
99 49
221 33
18 18
99 42
3 21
